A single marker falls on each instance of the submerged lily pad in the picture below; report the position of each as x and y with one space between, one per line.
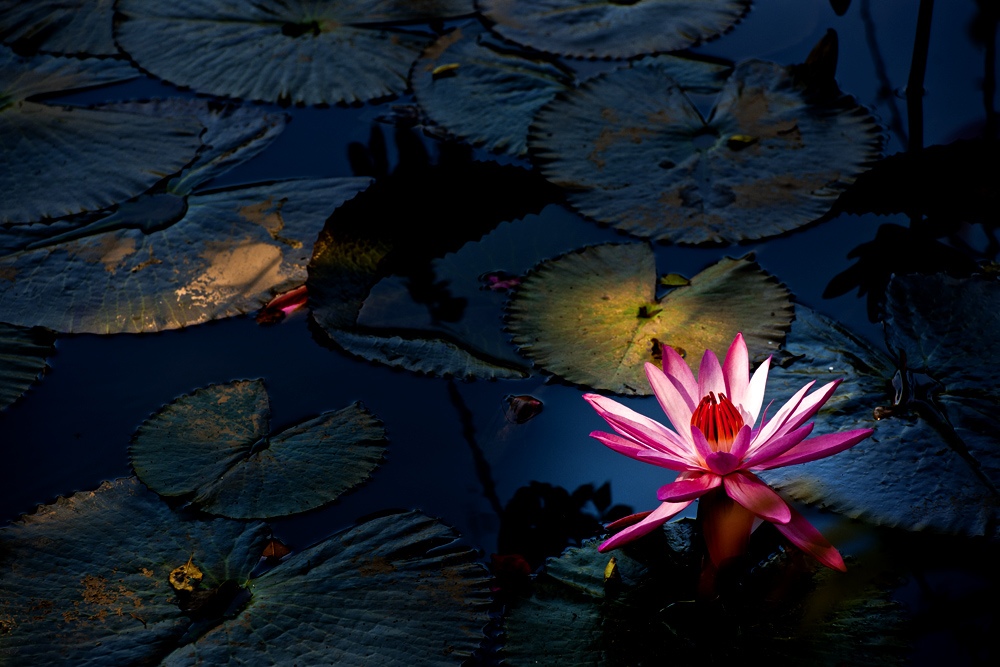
22 359
59 160
933 461
66 27
592 317
632 150
610 29
214 447
296 51
87 580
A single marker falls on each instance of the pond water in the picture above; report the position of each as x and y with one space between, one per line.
455 452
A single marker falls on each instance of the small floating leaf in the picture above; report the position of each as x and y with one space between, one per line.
185 577
214 446
581 316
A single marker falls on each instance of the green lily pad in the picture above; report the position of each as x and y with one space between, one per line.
932 462
579 616
73 27
632 150
609 29
396 590
164 261
214 447
22 359
592 317
87 580
90 157
296 51
468 70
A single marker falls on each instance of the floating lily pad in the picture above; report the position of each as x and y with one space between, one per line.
932 462
214 447
22 359
58 160
468 70
632 150
164 261
587 612
609 29
87 580
592 317
296 51
74 27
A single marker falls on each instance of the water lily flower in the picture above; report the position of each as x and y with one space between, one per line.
720 438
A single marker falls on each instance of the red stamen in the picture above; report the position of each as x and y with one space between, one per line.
719 420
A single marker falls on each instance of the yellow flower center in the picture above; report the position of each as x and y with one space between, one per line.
719 420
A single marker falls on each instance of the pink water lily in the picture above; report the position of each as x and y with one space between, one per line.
719 440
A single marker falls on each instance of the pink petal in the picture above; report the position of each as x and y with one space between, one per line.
639 427
639 452
627 521
721 463
651 522
809 406
736 370
702 449
742 442
674 404
816 448
756 496
754 396
776 447
768 430
710 376
688 489
804 535
675 368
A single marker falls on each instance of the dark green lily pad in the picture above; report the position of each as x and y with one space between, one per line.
164 261
396 590
296 51
608 29
468 70
932 462
632 150
86 580
65 27
90 157
22 359
592 317
645 612
214 447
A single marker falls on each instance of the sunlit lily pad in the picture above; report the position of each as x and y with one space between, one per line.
164 261
469 70
214 447
633 151
932 462
592 317
22 359
86 580
58 160
396 590
609 29
587 612
77 27
296 51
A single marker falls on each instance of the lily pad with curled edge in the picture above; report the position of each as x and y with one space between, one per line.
933 461
632 151
586 610
22 359
91 157
65 27
296 51
592 317
609 28
214 447
87 579
165 261
395 590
